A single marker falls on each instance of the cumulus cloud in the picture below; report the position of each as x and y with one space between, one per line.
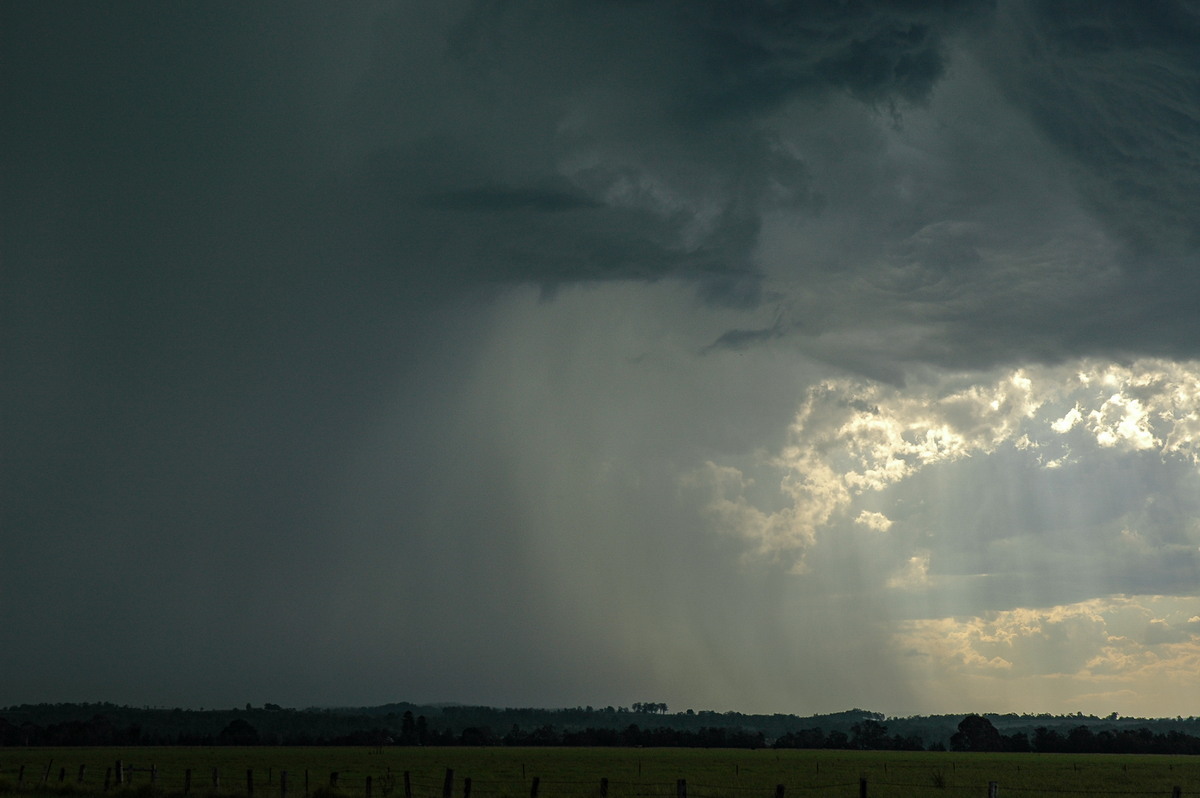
872 520
913 575
857 444
1114 646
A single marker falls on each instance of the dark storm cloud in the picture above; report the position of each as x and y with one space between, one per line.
264 368
758 54
650 111
582 141
740 339
1036 207
1113 89
445 142
1117 88
717 58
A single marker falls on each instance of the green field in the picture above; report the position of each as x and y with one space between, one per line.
577 772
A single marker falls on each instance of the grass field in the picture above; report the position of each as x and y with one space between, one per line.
577 772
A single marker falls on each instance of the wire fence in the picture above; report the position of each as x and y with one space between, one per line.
123 779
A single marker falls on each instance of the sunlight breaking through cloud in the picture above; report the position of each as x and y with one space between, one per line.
1122 646
1033 534
852 438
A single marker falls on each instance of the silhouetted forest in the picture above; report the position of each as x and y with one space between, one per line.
643 724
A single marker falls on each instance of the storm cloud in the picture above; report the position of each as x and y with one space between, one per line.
574 352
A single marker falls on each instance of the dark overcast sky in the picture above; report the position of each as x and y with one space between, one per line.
738 354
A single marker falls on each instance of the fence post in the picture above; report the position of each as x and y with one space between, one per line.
533 789
993 789
448 784
107 777
779 791
1176 792
333 777
21 777
153 774
467 787
120 773
681 788
283 784
604 788
249 781
216 779
862 787
187 781
368 787
82 768
407 785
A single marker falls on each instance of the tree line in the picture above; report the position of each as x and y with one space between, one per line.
412 730
645 724
977 733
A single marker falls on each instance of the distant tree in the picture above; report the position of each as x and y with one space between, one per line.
238 732
1046 741
913 742
1080 740
812 738
837 739
408 729
422 730
976 733
545 735
632 736
1017 742
869 735
473 735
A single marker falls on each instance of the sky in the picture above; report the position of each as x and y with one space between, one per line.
754 355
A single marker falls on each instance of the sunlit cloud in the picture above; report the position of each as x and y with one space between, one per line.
853 439
877 521
1041 546
913 575
1122 649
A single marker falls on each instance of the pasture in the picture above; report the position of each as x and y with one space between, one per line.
581 773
